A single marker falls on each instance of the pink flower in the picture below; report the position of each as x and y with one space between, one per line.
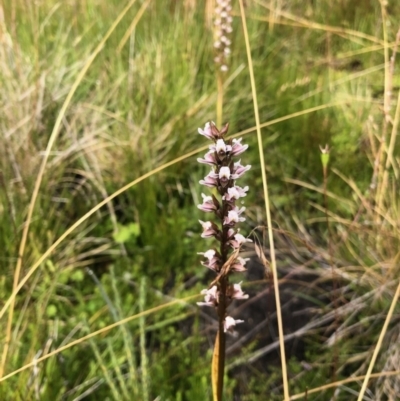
213 259
209 229
233 216
211 297
239 265
235 193
237 147
231 233
237 292
239 170
208 204
209 158
230 323
207 131
239 240
210 180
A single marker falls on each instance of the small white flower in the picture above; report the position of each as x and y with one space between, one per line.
220 146
224 173
239 240
230 322
210 297
238 292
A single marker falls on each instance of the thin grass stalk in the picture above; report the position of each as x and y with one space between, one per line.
267 206
379 344
118 373
274 10
128 343
133 25
271 15
380 162
39 178
325 162
9 204
138 180
142 328
392 142
339 383
98 332
109 380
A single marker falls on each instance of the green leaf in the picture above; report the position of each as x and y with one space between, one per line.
51 310
125 233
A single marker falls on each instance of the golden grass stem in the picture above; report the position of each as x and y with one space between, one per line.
379 344
379 162
389 151
301 396
267 206
39 178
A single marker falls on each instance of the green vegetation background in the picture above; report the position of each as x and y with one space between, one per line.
138 107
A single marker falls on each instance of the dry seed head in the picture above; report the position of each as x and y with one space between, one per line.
222 30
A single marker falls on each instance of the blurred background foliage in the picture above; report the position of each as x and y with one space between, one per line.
138 107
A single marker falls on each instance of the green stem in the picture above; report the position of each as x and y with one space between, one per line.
220 98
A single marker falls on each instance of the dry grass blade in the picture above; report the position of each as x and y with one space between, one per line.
226 267
340 383
379 344
267 207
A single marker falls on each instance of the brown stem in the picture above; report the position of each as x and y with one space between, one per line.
221 334
222 304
